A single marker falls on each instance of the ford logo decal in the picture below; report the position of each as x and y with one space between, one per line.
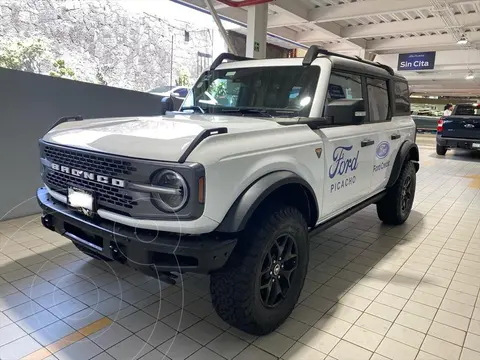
383 149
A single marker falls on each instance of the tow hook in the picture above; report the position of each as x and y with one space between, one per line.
117 254
47 222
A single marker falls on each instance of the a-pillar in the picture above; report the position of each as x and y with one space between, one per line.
257 31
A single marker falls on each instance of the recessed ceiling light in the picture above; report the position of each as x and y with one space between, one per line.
470 76
463 41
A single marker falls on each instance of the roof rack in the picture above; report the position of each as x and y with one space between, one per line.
227 56
315 50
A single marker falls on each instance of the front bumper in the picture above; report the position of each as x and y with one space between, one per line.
146 250
458 143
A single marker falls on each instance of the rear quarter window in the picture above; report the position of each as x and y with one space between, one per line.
467 110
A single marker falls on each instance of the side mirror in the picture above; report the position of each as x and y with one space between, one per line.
174 94
167 105
346 111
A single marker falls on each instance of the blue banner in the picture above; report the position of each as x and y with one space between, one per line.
416 61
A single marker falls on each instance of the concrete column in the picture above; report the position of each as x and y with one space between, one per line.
257 31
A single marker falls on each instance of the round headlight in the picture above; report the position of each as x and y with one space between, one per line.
172 194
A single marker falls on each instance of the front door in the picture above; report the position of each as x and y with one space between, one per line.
349 153
349 150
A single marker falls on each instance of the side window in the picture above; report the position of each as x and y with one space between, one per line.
344 86
378 102
402 98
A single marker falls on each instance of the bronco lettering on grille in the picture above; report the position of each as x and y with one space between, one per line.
88 175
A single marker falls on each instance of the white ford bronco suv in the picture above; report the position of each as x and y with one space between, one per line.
262 154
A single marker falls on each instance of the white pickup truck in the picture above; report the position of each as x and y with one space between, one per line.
262 154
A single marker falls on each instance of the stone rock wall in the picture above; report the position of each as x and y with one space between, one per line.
100 37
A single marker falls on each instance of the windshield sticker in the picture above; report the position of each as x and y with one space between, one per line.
336 91
230 73
383 149
345 162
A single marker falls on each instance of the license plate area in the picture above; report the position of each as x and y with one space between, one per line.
81 200
476 145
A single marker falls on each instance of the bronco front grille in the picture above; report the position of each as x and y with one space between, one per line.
105 194
89 162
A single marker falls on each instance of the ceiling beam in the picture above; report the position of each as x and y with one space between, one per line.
300 13
407 26
417 42
451 46
372 8
293 8
283 19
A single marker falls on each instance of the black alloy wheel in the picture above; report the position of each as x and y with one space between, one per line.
407 196
278 267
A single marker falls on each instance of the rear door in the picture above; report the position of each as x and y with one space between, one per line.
464 122
387 136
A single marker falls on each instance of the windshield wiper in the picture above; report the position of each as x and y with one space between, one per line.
247 111
197 108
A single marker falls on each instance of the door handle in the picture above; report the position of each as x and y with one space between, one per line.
367 142
395 136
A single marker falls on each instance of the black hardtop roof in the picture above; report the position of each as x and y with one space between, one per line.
356 63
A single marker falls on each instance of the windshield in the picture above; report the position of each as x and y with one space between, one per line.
280 91
161 89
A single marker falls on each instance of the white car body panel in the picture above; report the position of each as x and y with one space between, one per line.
344 175
235 161
155 138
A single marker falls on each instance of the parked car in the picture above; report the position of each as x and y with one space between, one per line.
176 91
235 189
459 130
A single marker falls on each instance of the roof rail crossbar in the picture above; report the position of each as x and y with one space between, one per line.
315 50
227 56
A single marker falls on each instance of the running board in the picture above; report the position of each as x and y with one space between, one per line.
329 223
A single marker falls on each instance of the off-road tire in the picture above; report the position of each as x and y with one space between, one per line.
441 150
90 253
389 209
235 289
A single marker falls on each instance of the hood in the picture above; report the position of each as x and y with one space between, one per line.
155 138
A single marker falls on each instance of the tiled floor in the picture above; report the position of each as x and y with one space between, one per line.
373 292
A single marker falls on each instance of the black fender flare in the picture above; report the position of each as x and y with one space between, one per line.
243 208
408 151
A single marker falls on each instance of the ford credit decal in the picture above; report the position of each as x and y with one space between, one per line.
383 149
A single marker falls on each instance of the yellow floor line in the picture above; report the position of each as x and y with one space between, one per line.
475 183
38 355
58 345
96 326
64 342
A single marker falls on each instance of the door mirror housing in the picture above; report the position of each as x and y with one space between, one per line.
167 105
346 111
